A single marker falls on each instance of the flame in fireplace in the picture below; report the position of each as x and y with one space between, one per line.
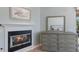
20 38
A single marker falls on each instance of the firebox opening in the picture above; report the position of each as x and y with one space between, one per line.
19 39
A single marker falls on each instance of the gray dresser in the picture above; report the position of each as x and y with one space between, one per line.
54 41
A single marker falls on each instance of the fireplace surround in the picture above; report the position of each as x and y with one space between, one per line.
19 39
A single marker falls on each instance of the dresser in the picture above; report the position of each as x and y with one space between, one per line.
55 41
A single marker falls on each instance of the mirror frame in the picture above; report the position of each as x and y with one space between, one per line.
54 17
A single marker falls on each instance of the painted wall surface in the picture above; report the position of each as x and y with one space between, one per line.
5 17
68 12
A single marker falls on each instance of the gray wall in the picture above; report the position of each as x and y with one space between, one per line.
69 14
35 20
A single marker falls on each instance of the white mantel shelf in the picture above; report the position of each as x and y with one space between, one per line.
13 25
27 24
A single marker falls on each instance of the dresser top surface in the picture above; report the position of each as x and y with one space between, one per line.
58 32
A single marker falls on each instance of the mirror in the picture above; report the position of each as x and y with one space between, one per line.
55 23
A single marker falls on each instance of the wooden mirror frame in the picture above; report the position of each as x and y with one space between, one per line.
53 17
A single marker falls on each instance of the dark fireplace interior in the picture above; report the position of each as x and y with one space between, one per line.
19 39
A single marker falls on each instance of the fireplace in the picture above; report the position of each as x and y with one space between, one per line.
19 39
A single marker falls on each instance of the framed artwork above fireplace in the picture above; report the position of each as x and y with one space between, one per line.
20 13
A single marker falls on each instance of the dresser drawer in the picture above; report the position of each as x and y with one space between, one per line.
67 45
48 40
52 49
67 42
67 49
53 43
54 36
49 49
44 40
49 44
68 37
52 40
48 36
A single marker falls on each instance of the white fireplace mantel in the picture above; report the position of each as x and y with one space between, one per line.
17 24
11 27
